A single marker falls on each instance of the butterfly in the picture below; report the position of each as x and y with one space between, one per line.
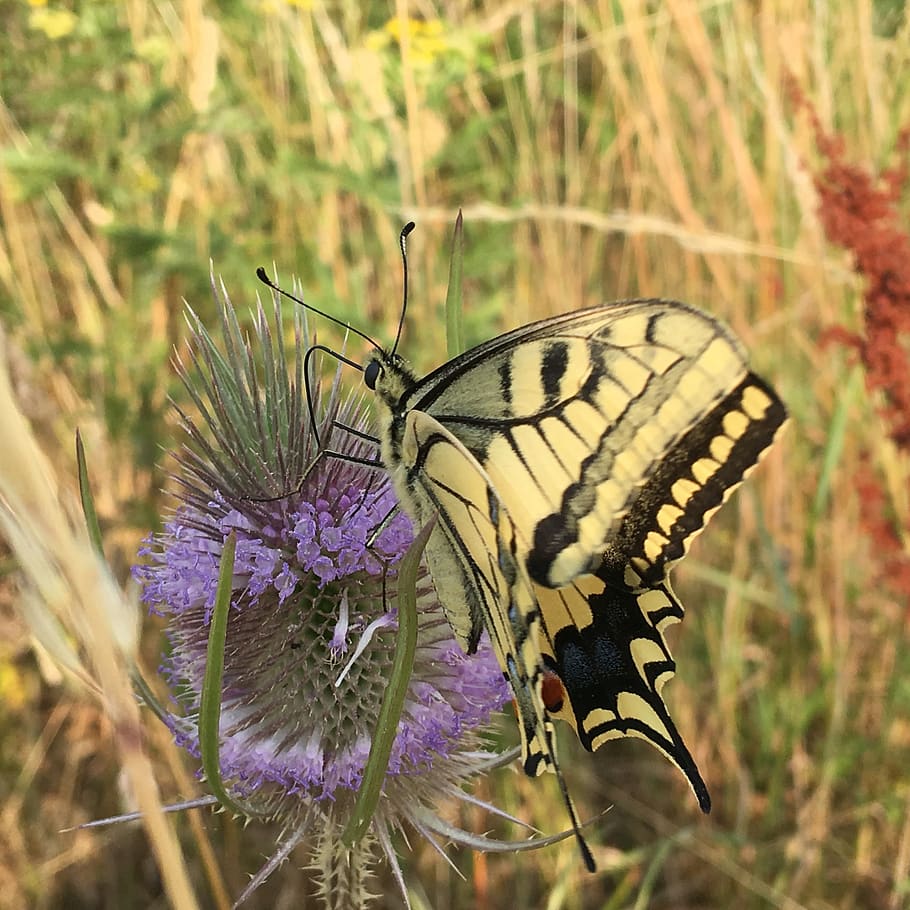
567 465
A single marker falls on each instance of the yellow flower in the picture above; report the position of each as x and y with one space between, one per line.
12 688
155 49
144 178
377 40
55 23
427 40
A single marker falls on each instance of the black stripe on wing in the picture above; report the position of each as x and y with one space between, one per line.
693 479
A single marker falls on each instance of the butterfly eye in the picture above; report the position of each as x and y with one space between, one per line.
371 374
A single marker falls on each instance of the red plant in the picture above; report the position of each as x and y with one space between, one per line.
859 211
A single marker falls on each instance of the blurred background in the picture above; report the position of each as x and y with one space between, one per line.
598 150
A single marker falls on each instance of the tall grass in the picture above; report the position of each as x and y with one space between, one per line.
599 151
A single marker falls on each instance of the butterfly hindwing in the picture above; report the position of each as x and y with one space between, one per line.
612 662
473 557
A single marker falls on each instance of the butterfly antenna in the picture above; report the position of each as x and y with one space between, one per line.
262 275
403 244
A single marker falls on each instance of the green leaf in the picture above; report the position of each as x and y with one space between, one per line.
88 501
210 705
94 532
454 306
837 434
392 703
148 697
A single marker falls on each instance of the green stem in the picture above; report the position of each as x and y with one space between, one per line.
393 701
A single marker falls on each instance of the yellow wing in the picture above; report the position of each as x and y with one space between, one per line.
472 556
570 416
604 644
570 463
603 634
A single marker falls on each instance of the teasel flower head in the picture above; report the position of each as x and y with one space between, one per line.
312 625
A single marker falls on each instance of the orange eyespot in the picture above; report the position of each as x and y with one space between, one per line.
552 692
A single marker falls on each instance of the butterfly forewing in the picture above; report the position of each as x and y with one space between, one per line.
569 417
692 479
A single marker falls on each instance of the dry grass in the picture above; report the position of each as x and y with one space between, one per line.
599 150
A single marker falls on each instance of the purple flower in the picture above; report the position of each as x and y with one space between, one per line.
312 625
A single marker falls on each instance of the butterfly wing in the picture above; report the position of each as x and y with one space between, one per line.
472 557
571 416
603 634
612 661
583 453
692 480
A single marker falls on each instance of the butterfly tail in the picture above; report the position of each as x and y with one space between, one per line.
607 662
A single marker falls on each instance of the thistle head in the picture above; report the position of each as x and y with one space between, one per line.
312 626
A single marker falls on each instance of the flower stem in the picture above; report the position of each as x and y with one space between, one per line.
392 703
210 702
